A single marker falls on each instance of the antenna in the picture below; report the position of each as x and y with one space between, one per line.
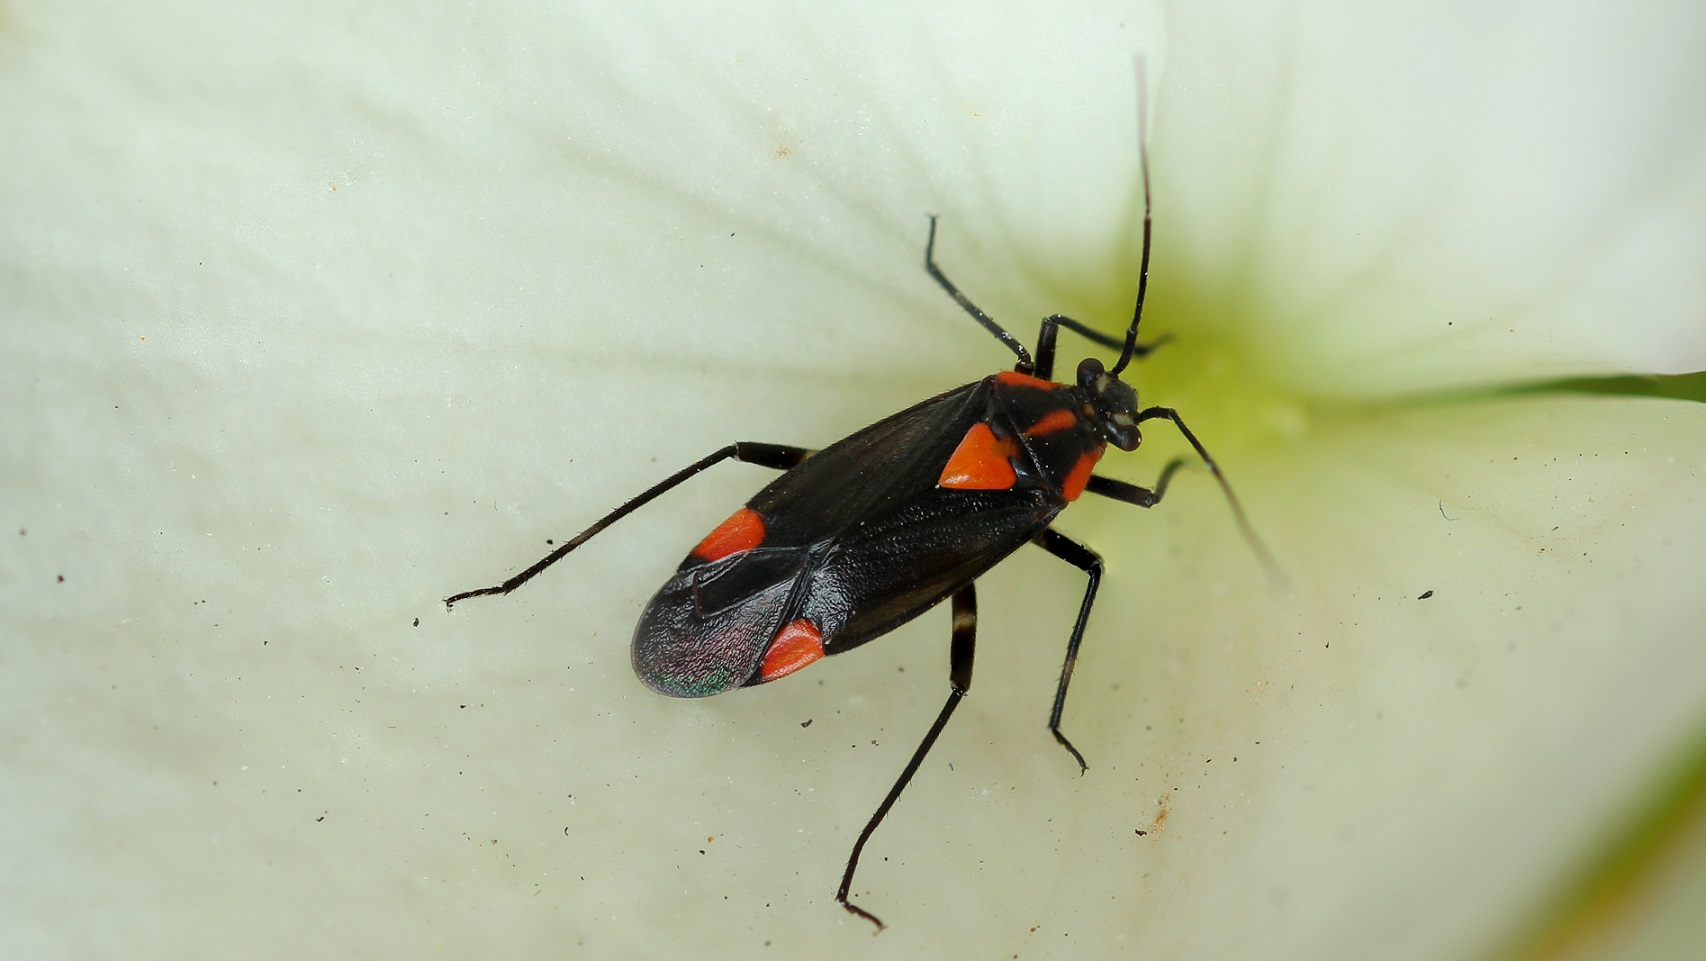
1142 165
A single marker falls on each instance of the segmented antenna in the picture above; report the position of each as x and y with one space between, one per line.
1143 266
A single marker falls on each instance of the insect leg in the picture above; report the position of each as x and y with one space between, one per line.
1024 365
960 652
1046 337
778 456
1277 577
1090 563
1131 493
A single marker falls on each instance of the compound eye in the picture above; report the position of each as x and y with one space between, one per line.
1121 431
1091 376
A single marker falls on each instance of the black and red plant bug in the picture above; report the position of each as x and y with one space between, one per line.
857 539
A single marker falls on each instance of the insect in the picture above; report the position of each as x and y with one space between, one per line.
858 538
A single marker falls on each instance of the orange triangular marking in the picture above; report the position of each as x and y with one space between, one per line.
743 531
797 644
982 462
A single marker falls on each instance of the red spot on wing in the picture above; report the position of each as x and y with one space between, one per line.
743 531
1013 378
797 644
982 462
1073 484
1052 422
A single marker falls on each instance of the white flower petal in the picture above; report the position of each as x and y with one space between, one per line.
322 316
1414 776
318 312
1413 197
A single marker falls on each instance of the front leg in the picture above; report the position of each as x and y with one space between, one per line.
1050 330
1131 493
